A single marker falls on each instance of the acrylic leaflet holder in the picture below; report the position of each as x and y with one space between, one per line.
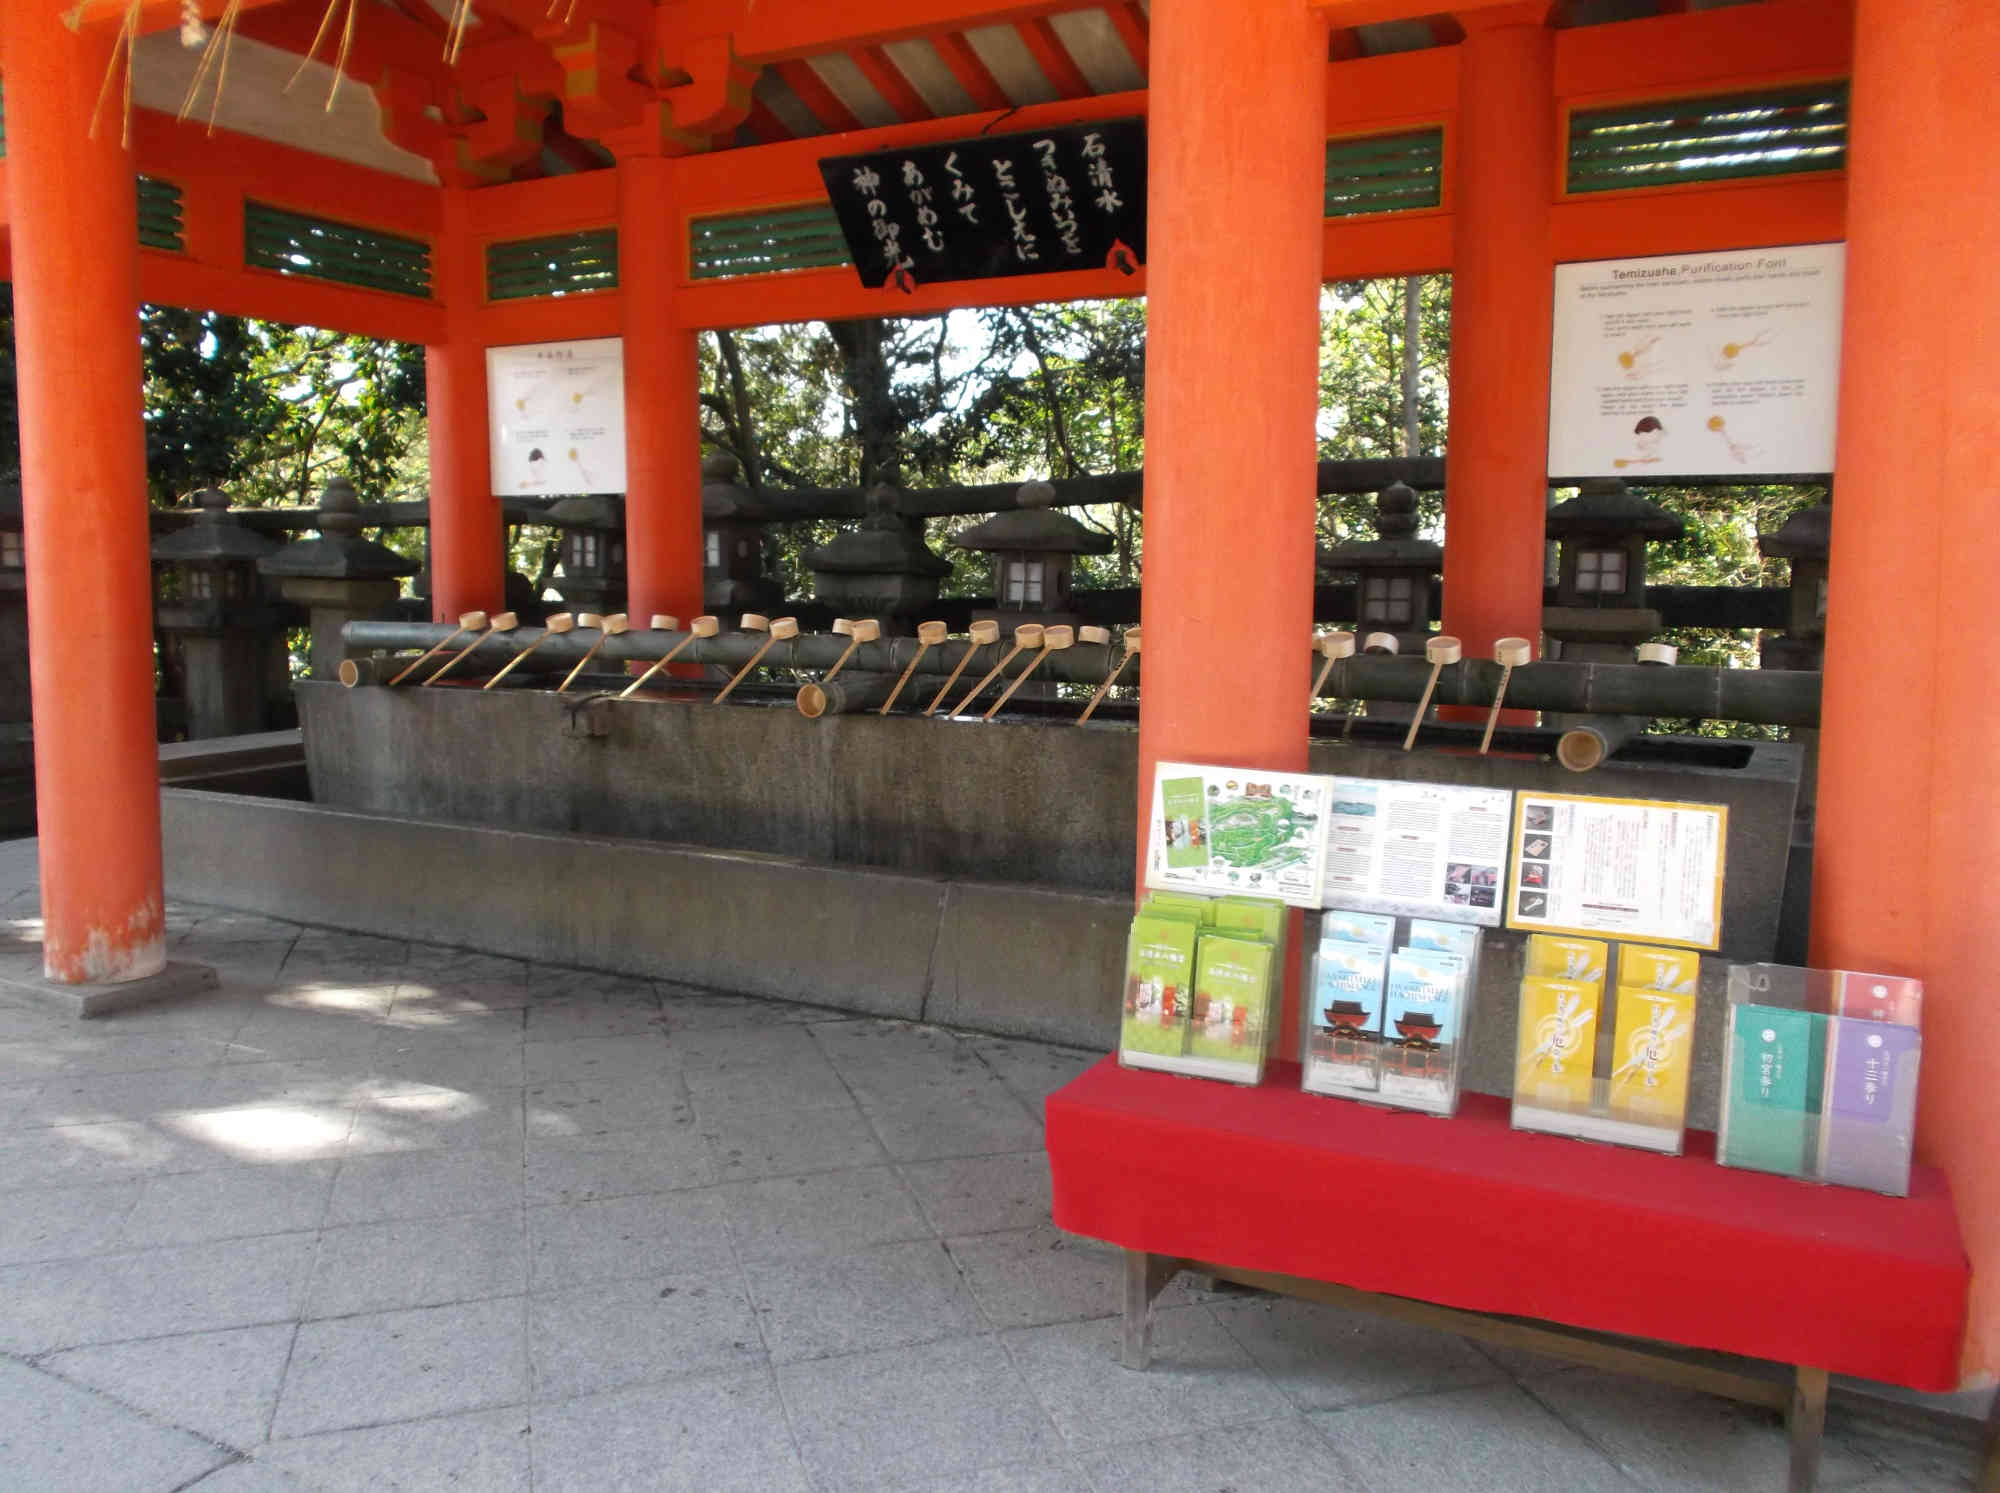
1819 1075
1605 1041
1202 980
1385 1014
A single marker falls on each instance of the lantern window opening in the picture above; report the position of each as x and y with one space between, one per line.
1024 583
1600 572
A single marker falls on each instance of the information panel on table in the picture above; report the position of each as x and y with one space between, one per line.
1233 829
1427 850
1696 364
1023 204
556 417
1622 868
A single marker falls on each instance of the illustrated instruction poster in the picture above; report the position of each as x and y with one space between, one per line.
1232 829
1424 850
556 417
1619 868
1696 364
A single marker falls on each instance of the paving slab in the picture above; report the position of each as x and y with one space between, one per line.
887 1296
931 1415
599 1338
222 1385
56 1435
408 1365
721 1434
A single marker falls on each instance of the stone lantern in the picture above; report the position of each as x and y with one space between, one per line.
1601 535
1034 550
880 569
339 577
211 603
593 551
1803 540
1396 573
732 538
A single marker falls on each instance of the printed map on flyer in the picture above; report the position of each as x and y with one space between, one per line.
1232 829
1626 868
1424 850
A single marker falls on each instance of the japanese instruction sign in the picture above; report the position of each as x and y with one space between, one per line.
555 417
1697 364
1026 204
1429 850
1619 868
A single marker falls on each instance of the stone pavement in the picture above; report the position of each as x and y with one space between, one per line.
379 1216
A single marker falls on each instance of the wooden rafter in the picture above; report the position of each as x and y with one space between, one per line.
971 72
823 103
888 80
1133 30
1053 58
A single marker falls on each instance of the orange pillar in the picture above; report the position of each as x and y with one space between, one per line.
1235 197
73 208
663 547
1501 297
467 567
1908 853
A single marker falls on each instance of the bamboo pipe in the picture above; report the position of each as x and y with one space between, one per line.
700 627
929 634
983 635
854 691
1510 654
780 631
1027 635
500 622
1131 648
467 622
555 627
607 629
862 630
1440 650
1054 640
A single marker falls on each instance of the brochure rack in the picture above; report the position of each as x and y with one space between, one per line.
1608 1068
1387 1022
1820 1075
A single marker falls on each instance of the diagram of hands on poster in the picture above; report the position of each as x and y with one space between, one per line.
1688 365
556 417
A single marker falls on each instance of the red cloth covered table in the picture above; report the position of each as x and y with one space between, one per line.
1472 1214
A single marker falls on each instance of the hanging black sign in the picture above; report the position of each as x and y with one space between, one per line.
1072 198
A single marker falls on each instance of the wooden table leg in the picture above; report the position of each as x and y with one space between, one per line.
1146 1275
1807 1419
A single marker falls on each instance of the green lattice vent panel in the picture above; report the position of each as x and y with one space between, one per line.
320 249
1773 132
1384 174
562 265
160 215
763 243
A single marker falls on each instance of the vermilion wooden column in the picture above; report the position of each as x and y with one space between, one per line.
1503 182
1906 876
663 546
1236 165
468 570
73 210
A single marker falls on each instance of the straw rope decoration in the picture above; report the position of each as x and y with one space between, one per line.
340 57
214 59
121 50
